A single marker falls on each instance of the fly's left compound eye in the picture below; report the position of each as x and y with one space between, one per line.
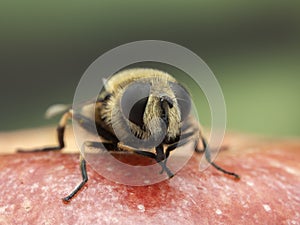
183 99
134 101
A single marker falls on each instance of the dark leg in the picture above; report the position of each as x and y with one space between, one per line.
162 157
108 147
159 157
60 136
184 139
208 158
111 147
84 180
144 153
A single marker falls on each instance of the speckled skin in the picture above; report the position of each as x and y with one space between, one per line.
31 187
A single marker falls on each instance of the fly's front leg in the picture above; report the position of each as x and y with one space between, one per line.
184 139
161 159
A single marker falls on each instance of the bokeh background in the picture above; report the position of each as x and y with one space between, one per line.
253 48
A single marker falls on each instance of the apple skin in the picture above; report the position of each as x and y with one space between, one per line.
32 185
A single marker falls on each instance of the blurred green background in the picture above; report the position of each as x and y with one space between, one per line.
252 47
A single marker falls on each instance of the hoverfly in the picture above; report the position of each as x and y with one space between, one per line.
134 97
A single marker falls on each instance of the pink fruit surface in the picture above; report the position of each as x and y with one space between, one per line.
32 185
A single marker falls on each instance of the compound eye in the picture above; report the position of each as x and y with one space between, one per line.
183 99
134 101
